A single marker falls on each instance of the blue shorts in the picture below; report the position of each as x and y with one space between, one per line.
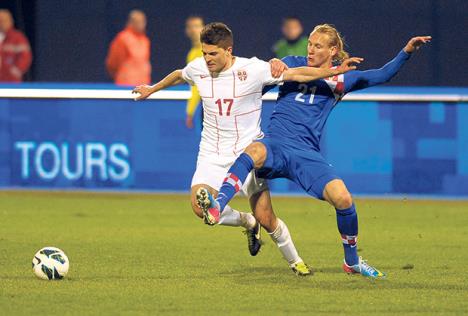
305 166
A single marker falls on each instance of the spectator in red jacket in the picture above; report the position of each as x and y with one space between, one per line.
128 59
15 52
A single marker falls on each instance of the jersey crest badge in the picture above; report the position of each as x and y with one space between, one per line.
242 75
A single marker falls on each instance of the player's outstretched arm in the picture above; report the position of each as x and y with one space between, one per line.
362 79
145 91
306 74
416 43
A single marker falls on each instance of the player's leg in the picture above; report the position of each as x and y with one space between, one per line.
206 178
336 193
310 170
278 231
231 217
262 207
253 157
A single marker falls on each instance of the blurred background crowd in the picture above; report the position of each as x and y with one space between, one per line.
91 41
128 60
87 41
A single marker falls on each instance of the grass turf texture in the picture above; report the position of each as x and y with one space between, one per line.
147 254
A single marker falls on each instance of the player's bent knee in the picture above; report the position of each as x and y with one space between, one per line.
193 198
343 200
257 151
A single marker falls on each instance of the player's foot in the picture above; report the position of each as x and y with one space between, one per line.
209 206
364 269
301 269
253 239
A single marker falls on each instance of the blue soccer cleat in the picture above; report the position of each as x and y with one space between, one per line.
209 206
364 269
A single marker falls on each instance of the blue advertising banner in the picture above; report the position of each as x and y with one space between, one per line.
378 147
96 143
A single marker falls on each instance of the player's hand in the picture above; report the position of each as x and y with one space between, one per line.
416 42
349 64
144 90
277 67
189 121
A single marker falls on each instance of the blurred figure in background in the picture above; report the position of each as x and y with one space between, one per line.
15 52
193 27
293 43
128 59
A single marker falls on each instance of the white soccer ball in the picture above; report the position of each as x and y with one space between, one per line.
50 263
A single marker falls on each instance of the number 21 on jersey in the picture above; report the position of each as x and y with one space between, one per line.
304 91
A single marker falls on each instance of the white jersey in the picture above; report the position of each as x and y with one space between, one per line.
231 104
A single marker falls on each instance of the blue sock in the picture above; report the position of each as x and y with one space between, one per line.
234 179
348 227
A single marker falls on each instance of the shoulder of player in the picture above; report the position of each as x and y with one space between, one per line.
252 64
295 61
196 69
197 63
243 62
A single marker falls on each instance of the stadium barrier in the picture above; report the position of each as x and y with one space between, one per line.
382 141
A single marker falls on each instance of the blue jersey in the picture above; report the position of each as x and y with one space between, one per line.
302 109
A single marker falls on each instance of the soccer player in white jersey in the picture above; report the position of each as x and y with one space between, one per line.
231 91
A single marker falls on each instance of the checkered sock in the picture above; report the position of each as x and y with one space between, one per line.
234 179
348 227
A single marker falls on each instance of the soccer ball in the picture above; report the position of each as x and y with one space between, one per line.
50 263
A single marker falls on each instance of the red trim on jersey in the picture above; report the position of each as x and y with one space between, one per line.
210 112
237 129
217 134
234 88
212 90
237 135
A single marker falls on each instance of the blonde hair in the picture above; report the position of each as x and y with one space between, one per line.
335 40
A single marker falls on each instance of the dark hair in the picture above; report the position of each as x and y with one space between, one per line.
218 34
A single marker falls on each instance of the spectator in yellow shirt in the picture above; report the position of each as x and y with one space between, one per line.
193 27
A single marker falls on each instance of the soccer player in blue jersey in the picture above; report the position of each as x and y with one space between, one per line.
291 147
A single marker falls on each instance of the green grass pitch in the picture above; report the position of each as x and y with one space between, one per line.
147 254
